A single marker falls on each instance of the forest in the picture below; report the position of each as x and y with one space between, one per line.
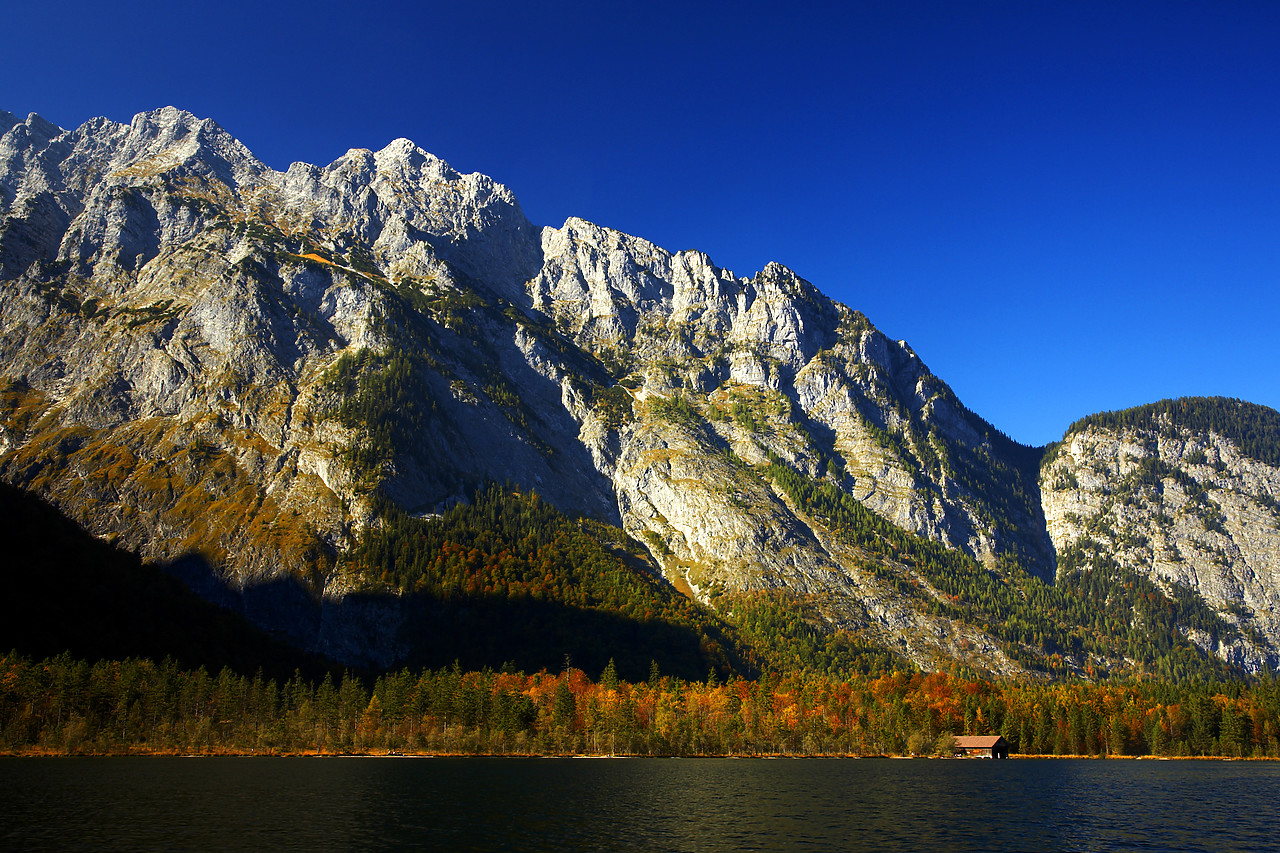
61 705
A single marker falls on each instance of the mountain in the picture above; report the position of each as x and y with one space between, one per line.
251 376
1183 493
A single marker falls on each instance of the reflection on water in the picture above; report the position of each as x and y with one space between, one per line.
640 804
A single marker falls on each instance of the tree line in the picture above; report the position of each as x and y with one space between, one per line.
64 705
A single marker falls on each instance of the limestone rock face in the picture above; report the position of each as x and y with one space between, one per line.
676 324
183 327
226 367
1183 507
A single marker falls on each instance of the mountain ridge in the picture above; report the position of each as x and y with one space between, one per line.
205 355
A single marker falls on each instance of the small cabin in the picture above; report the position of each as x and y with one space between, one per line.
980 746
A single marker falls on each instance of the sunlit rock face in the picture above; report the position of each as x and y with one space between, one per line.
204 356
1183 507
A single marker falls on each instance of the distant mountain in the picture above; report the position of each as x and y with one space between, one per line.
205 358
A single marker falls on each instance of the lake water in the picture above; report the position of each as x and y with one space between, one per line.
636 804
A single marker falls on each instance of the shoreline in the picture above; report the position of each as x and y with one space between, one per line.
175 753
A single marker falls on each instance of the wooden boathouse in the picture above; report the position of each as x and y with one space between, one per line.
980 746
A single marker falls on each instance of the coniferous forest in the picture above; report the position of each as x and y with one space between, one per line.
65 705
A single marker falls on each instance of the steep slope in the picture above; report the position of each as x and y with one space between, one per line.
1183 492
251 375
206 356
779 367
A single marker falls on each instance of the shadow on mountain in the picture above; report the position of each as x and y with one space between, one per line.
532 635
376 632
68 591
65 590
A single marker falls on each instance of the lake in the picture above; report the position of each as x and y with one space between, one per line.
636 804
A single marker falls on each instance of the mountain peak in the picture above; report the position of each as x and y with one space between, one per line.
167 123
37 127
41 126
403 156
401 148
168 138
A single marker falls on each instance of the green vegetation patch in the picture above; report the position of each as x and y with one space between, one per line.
676 410
790 635
614 405
384 398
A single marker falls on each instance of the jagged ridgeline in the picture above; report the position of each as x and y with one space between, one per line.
298 388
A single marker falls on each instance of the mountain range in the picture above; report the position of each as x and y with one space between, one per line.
375 410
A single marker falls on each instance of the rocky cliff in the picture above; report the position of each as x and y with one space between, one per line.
1178 493
204 356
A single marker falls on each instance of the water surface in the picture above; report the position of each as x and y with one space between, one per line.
636 804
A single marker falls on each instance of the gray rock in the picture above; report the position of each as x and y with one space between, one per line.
1204 520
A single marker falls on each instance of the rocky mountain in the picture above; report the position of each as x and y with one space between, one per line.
214 363
1184 493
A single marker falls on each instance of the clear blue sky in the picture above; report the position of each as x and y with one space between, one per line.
1064 207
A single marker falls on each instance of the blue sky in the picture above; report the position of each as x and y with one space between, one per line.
1063 207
